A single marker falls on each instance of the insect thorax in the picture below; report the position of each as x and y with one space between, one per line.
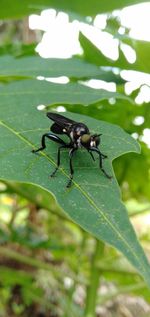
77 130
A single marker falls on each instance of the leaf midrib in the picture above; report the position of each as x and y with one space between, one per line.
85 194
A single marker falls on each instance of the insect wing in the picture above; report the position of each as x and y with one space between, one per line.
55 128
59 119
61 123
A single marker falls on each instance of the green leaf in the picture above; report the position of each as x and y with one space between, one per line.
93 55
94 202
49 93
21 8
142 49
37 66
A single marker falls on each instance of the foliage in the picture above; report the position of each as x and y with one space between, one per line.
49 265
19 8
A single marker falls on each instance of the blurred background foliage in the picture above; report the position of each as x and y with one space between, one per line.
48 265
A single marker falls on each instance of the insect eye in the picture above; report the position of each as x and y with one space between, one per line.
85 139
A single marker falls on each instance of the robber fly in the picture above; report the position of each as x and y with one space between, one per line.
79 136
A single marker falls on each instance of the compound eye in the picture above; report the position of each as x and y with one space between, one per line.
85 139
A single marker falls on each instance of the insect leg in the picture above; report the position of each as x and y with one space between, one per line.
58 158
71 167
101 157
50 136
92 156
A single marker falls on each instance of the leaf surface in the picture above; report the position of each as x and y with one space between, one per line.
49 93
94 202
53 67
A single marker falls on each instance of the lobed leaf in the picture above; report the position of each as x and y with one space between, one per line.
93 202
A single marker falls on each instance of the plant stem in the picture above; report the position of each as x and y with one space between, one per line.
14 255
92 288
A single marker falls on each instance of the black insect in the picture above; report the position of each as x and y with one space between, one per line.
79 136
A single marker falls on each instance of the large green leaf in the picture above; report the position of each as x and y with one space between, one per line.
49 93
37 66
94 202
91 7
93 55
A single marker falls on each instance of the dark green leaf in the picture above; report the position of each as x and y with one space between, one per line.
49 93
94 201
37 66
